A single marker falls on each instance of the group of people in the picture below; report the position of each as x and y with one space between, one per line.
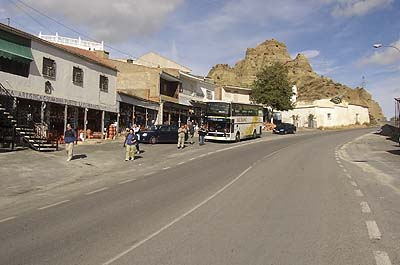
189 129
132 138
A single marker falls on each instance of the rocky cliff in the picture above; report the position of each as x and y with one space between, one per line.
310 85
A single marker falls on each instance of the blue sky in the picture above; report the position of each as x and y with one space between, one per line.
336 35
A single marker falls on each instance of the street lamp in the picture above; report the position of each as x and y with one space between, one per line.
379 45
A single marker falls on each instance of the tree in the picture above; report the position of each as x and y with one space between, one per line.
272 88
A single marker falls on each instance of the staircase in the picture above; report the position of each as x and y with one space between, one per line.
11 133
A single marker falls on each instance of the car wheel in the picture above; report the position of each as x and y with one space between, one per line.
153 140
237 138
254 134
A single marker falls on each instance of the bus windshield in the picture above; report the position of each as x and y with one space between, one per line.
218 109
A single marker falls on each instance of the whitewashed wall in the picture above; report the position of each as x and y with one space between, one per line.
197 88
327 114
63 86
240 96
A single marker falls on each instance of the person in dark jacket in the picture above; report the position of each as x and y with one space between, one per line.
202 133
130 142
69 139
190 128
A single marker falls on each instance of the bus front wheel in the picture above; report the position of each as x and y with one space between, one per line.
237 138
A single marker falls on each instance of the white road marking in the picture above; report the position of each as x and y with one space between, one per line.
165 168
340 165
348 176
181 163
126 181
96 191
193 158
176 220
337 159
382 258
7 219
149 173
373 230
353 183
344 170
202 155
52 205
365 207
359 193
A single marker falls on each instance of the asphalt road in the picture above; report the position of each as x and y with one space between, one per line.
267 202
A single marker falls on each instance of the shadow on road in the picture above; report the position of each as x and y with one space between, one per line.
81 156
394 152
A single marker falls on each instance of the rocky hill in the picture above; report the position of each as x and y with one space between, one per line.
310 85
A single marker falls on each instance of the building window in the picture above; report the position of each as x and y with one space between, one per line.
49 68
103 83
209 95
77 76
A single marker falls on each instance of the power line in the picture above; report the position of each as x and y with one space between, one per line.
27 13
69 28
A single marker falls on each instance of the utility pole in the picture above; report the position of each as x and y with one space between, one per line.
8 21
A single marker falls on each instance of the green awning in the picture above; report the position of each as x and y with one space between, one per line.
14 51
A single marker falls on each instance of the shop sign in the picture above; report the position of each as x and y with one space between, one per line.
68 102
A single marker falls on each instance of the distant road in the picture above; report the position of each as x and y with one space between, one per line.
288 201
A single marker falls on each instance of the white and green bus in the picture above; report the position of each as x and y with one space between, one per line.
230 121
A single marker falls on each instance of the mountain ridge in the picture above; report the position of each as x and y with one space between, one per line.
310 85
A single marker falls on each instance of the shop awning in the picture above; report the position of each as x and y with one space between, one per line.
14 51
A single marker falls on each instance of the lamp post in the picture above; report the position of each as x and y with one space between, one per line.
377 46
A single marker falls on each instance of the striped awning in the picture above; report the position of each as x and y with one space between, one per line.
15 51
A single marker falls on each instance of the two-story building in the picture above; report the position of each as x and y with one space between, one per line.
55 84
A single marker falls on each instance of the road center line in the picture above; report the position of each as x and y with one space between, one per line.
52 205
365 207
149 173
165 168
359 193
382 258
373 230
96 191
176 220
126 181
181 163
7 219
353 183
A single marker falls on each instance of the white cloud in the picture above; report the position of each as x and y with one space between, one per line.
388 55
112 21
348 8
310 53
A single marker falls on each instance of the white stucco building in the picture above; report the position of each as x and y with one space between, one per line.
324 113
57 84
234 94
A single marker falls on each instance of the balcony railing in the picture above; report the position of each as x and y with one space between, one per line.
79 43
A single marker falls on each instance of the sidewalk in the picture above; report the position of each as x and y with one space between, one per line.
375 154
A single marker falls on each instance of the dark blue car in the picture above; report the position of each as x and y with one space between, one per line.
284 128
160 134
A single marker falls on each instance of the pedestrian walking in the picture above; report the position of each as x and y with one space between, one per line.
129 144
181 136
136 131
190 127
202 133
69 139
